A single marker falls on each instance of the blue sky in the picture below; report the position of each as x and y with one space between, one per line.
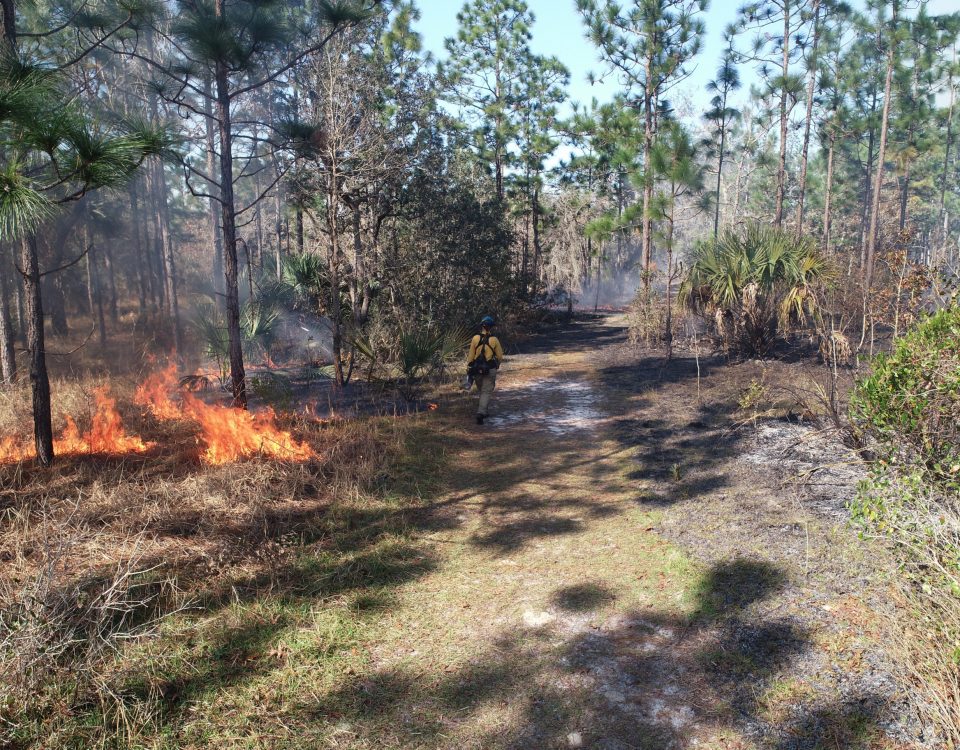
559 31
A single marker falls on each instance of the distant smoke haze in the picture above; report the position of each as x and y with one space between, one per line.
304 337
615 291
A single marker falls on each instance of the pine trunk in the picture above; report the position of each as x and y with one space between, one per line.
216 237
143 282
59 324
878 178
238 377
39 380
723 138
166 251
333 266
647 233
827 197
94 292
808 119
111 283
948 143
8 358
782 162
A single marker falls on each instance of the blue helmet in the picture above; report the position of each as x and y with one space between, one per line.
488 321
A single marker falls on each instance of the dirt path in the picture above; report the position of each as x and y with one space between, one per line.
617 568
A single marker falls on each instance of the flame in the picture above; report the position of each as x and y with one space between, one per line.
231 434
433 407
228 434
106 435
154 393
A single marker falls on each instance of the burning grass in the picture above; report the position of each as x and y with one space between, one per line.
227 434
135 585
105 435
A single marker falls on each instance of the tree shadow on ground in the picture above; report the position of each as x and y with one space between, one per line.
643 679
674 461
585 331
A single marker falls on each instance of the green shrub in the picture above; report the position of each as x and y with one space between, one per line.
909 407
910 403
750 285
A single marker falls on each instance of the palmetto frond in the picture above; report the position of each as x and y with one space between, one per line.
772 269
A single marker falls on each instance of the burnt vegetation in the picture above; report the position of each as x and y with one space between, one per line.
243 247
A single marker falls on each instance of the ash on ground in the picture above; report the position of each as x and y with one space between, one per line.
815 463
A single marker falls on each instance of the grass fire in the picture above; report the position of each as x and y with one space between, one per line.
226 434
412 374
105 435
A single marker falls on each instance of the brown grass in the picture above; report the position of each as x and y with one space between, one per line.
100 553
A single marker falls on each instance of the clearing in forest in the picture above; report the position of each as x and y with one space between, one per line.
615 560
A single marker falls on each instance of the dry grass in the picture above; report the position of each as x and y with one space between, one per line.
110 563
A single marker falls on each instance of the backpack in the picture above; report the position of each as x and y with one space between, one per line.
481 365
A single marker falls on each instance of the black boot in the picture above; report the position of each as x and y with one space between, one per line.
479 418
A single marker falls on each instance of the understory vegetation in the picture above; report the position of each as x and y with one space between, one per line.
244 245
909 411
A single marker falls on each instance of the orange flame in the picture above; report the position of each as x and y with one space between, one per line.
231 434
154 393
228 434
106 435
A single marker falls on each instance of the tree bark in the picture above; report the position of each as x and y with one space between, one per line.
111 283
8 359
94 293
20 294
723 138
213 207
868 181
647 231
39 379
811 82
238 377
878 178
668 312
278 217
143 282
9 23
948 142
782 163
904 195
166 250
537 249
334 270
827 197
59 324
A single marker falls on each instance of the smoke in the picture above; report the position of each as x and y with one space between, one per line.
303 337
616 290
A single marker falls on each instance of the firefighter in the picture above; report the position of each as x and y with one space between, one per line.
484 360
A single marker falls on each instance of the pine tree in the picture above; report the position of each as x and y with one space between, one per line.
721 116
776 48
649 45
541 91
240 48
891 42
677 167
54 156
485 72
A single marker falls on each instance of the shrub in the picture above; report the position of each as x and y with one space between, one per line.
750 286
910 404
909 407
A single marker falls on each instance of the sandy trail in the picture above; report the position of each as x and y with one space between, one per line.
611 574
